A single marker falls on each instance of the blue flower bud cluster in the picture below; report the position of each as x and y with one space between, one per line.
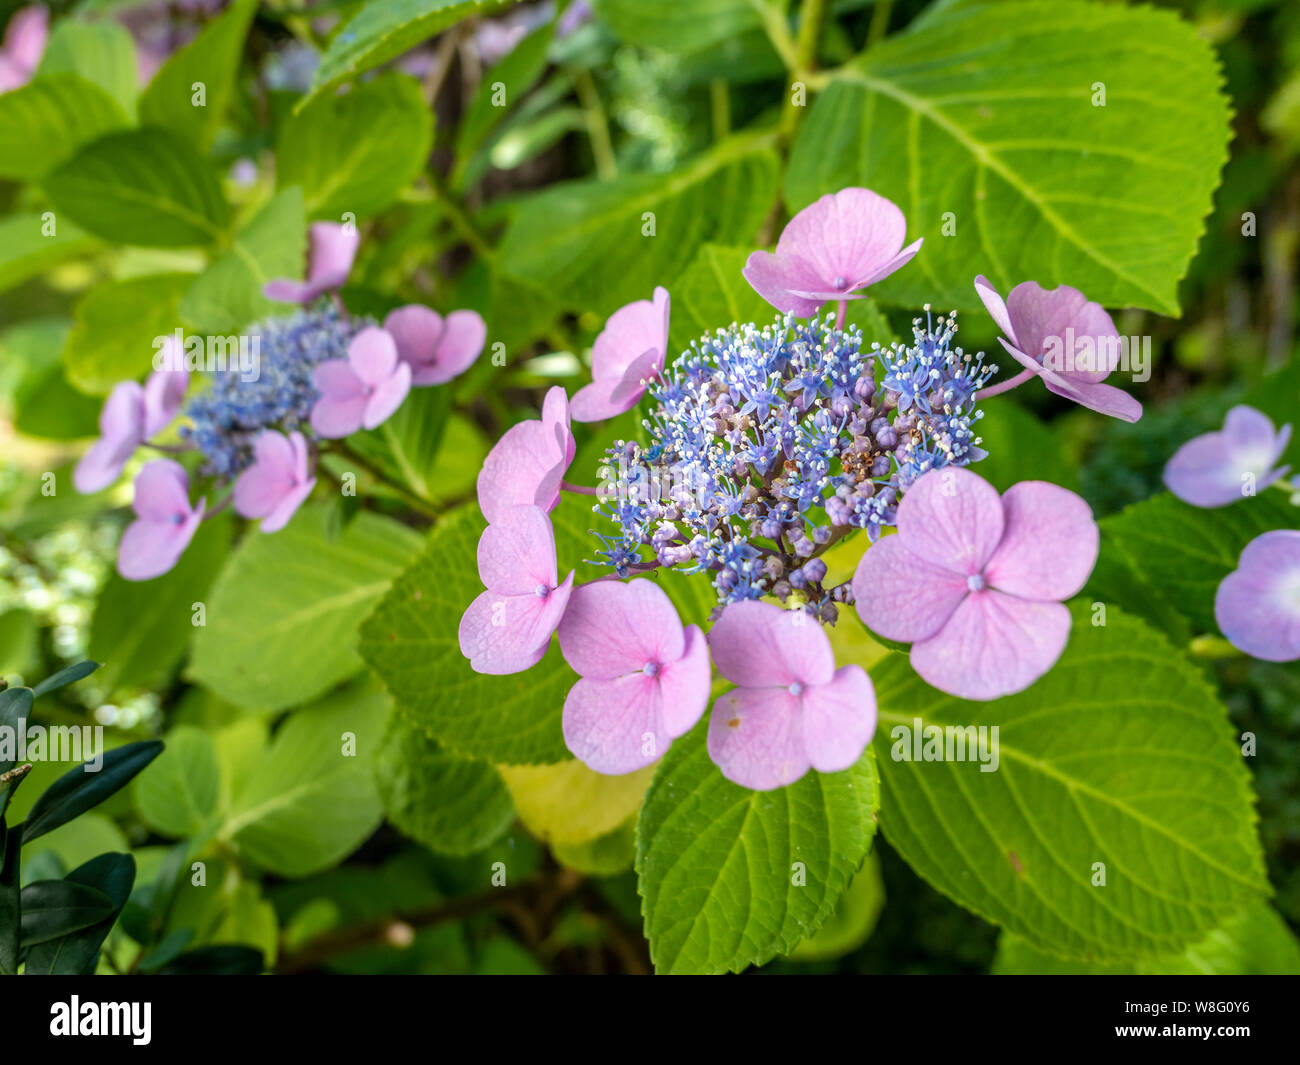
769 444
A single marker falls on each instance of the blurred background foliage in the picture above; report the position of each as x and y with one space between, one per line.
360 893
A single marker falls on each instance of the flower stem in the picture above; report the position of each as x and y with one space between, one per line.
1007 385
578 489
840 313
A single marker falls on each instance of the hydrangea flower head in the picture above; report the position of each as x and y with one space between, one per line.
278 482
24 44
165 522
436 348
509 626
528 463
1037 324
644 679
843 242
792 710
1257 605
629 352
1215 469
974 582
363 390
331 249
130 416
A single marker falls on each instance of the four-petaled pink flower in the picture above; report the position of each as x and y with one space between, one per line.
274 487
1058 335
130 416
24 44
975 582
166 523
792 709
645 679
843 242
630 350
436 348
363 390
508 627
1257 605
1215 469
329 261
528 463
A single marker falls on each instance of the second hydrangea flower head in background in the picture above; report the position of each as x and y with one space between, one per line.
766 445
322 375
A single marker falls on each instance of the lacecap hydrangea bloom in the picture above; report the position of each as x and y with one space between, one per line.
252 435
762 446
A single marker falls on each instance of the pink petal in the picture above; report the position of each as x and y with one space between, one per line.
615 725
612 396
902 596
756 737
560 448
337 418
996 306
758 644
839 719
285 290
515 469
1049 545
1257 606
1039 313
164 392
121 423
779 278
993 645
333 247
510 633
1104 399
389 394
952 518
462 343
630 332
102 464
337 379
151 548
372 355
848 238
162 491
289 503
612 628
516 553
685 684
416 331
26 36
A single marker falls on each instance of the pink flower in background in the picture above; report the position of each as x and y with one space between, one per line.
528 463
436 348
24 44
645 679
166 523
363 390
1257 605
630 350
329 261
974 581
508 627
843 242
792 709
130 416
1215 469
277 483
1058 335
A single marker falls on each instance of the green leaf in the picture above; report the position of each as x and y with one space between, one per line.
78 790
607 855
64 677
569 803
852 922
54 908
25 250
116 325
731 877
1256 940
11 842
687 27
356 152
140 629
452 805
111 875
102 53
408 445
1184 552
15 706
282 618
177 796
587 242
1121 755
47 120
309 802
212 58
984 116
227 296
411 642
143 186
383 30
222 959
